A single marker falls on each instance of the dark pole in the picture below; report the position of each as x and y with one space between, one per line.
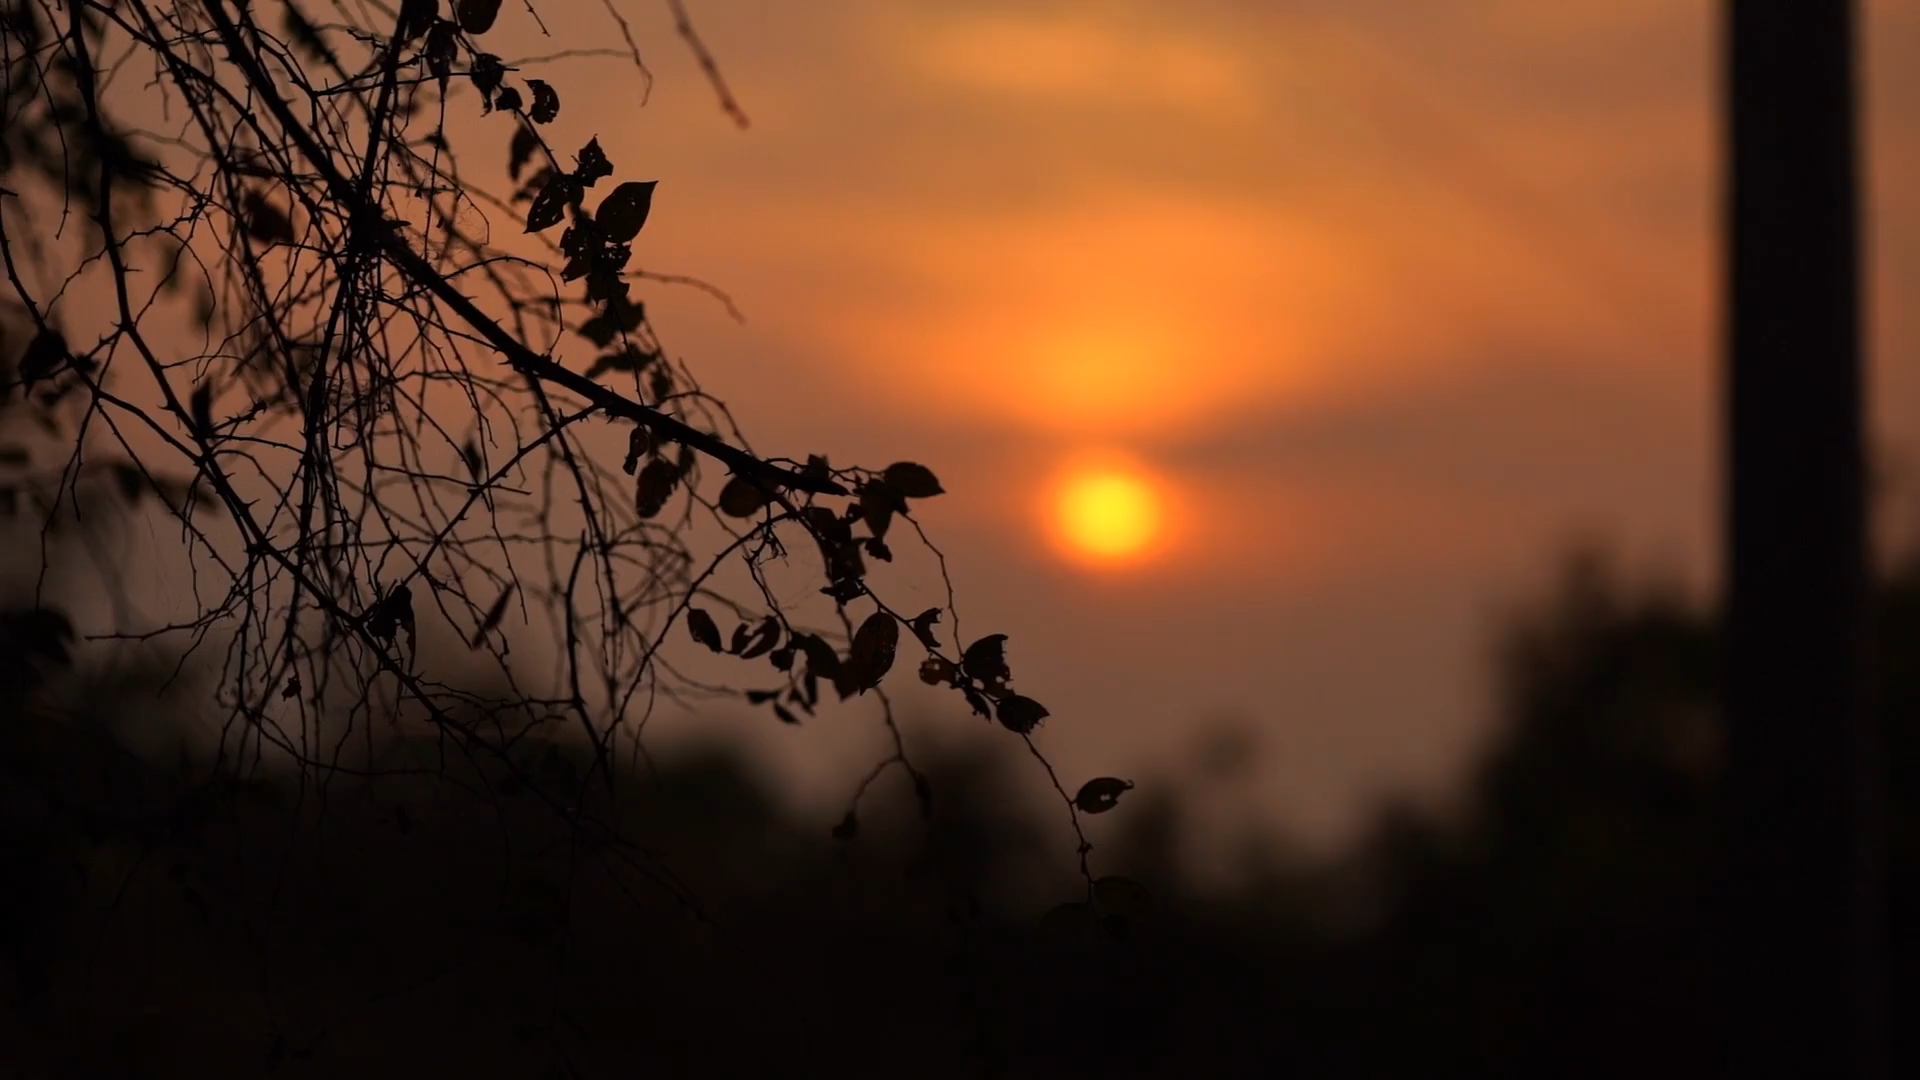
1806 996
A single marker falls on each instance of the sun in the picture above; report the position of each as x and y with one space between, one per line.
1107 515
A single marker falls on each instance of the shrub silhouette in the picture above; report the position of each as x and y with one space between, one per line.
1555 927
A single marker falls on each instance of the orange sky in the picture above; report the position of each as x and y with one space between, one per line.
1394 297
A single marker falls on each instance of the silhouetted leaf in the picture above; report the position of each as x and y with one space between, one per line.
624 211
416 18
923 793
913 481
594 166
655 486
1121 896
978 702
660 381
742 498
785 714
292 689
521 150
822 661
922 626
936 671
45 353
1020 715
848 828
132 482
305 35
765 637
486 74
494 614
637 444
476 16
872 654
630 358
1099 795
701 626
551 204
509 99
392 614
781 659
439 51
878 503
986 659
264 221
546 102
1070 920
200 408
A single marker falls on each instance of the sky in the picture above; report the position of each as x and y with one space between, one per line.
1383 304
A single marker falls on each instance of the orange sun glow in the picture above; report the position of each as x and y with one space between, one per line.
1107 514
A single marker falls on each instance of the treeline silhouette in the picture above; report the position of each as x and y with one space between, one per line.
435 920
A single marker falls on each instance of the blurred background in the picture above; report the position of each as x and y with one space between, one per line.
1372 309
1325 396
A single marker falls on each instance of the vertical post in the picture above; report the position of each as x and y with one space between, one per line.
1804 918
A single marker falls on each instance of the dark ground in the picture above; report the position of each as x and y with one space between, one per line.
160 925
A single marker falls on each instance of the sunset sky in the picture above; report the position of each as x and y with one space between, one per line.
1332 323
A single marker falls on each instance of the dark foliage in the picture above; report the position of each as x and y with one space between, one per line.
1558 928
